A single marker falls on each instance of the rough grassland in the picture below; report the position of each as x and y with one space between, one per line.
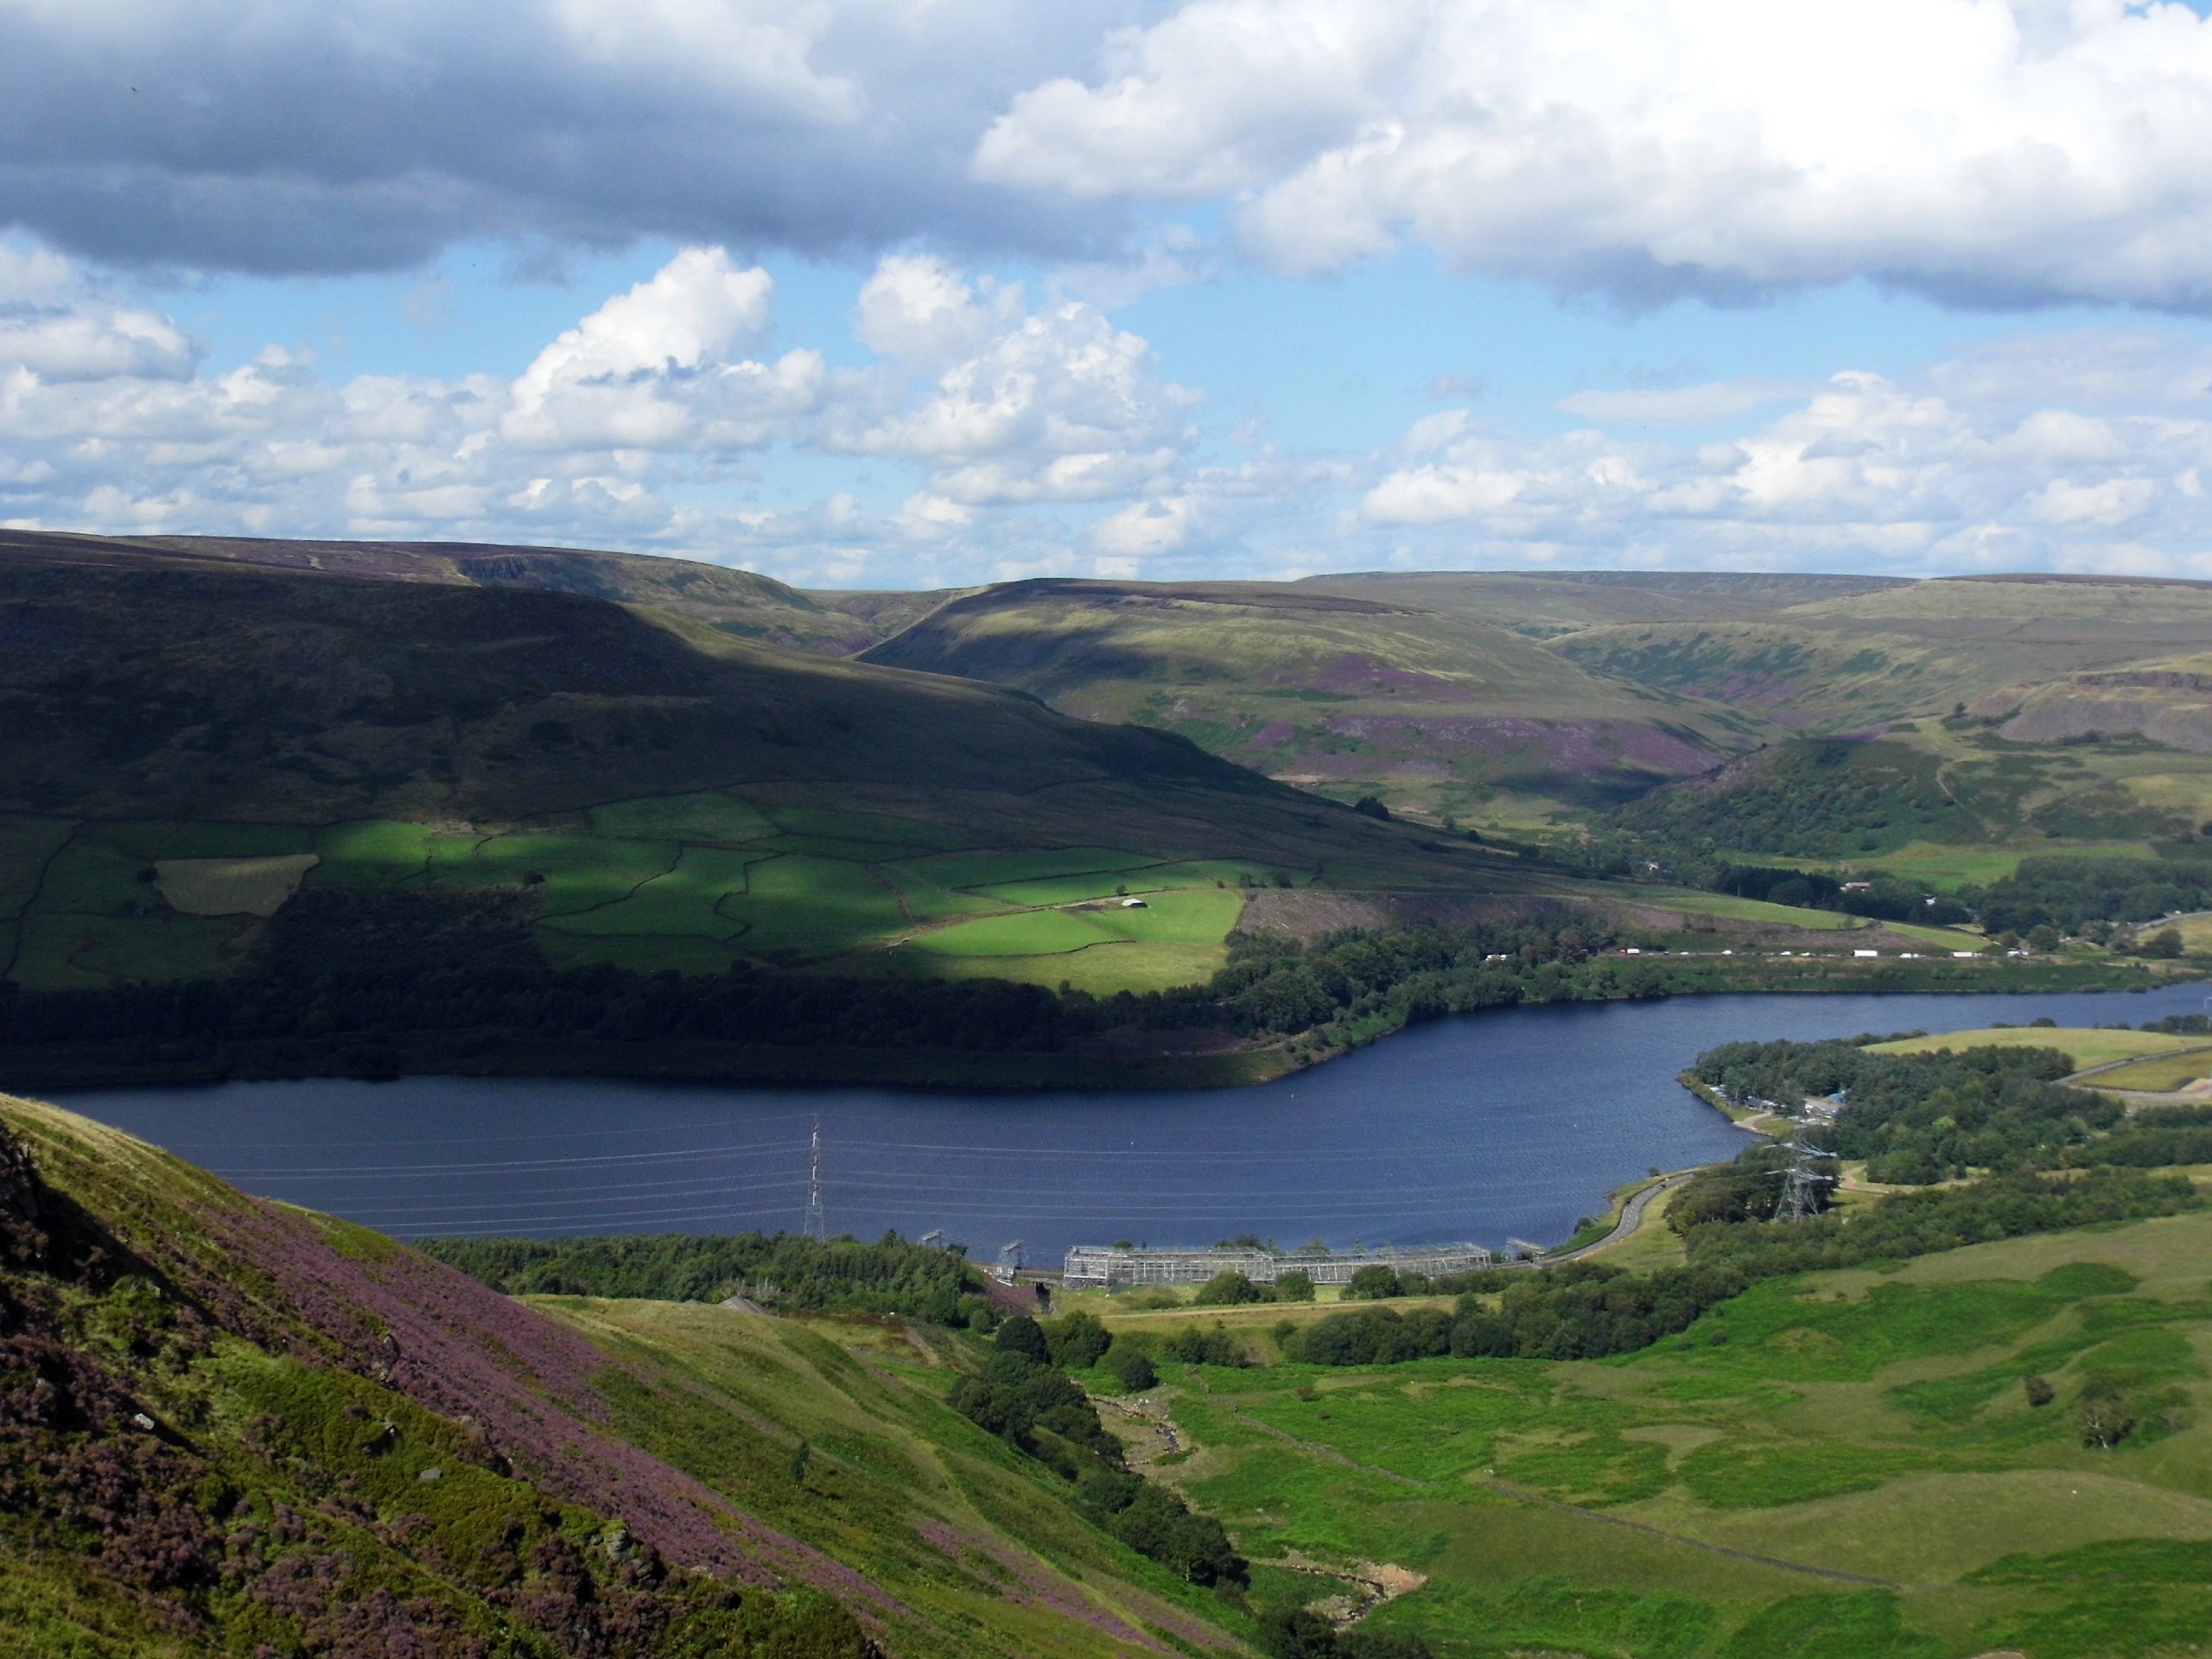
1845 1465
898 1486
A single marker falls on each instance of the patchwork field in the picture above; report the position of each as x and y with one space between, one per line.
1845 1466
693 883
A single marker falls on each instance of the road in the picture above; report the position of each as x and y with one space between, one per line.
1631 1218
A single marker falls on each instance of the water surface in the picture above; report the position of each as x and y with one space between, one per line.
1509 1123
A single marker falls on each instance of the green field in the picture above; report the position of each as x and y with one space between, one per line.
2089 1047
1742 910
2160 1076
1843 1466
731 879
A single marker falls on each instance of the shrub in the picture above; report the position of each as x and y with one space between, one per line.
1024 1336
1229 1288
2039 1389
1078 1341
1132 1367
1372 1283
1296 1286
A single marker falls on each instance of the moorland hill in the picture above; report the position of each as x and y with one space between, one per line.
193 741
1352 691
230 1426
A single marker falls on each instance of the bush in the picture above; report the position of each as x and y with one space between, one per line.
1229 1288
1192 1346
1372 1283
1132 1367
1024 1336
1078 1341
1296 1286
2039 1389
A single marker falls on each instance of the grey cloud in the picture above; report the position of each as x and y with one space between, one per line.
343 137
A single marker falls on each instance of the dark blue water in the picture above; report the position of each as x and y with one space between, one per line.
1496 1125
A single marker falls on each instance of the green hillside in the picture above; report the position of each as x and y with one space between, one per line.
229 1427
1435 711
1845 1464
193 741
1895 651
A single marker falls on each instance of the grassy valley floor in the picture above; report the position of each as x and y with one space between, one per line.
1845 1465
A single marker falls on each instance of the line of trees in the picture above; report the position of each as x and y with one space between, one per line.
1023 1394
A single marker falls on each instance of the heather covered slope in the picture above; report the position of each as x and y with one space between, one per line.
227 1427
1895 651
737 602
1432 709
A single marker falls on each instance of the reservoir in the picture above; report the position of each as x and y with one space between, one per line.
1509 1123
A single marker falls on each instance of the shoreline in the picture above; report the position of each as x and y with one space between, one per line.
485 1053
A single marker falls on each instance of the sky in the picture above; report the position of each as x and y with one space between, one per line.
912 293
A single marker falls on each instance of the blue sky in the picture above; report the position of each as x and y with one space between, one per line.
965 291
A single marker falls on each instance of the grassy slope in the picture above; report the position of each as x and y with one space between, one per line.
899 1486
1841 663
1441 711
943 1541
1833 1475
684 795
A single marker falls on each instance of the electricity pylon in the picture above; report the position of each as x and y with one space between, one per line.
816 1228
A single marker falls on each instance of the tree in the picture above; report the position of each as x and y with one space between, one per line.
1228 1288
1023 1335
2166 943
2105 1419
1296 1286
2043 937
2038 1389
1078 1341
1372 1283
1132 1367
1368 806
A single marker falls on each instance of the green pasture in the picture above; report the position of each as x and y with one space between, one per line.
692 882
1693 902
2089 1047
1864 1423
1943 938
2160 1076
1948 868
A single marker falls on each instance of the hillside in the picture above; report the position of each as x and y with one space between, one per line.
1842 663
1546 604
230 1427
1435 711
737 602
193 742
